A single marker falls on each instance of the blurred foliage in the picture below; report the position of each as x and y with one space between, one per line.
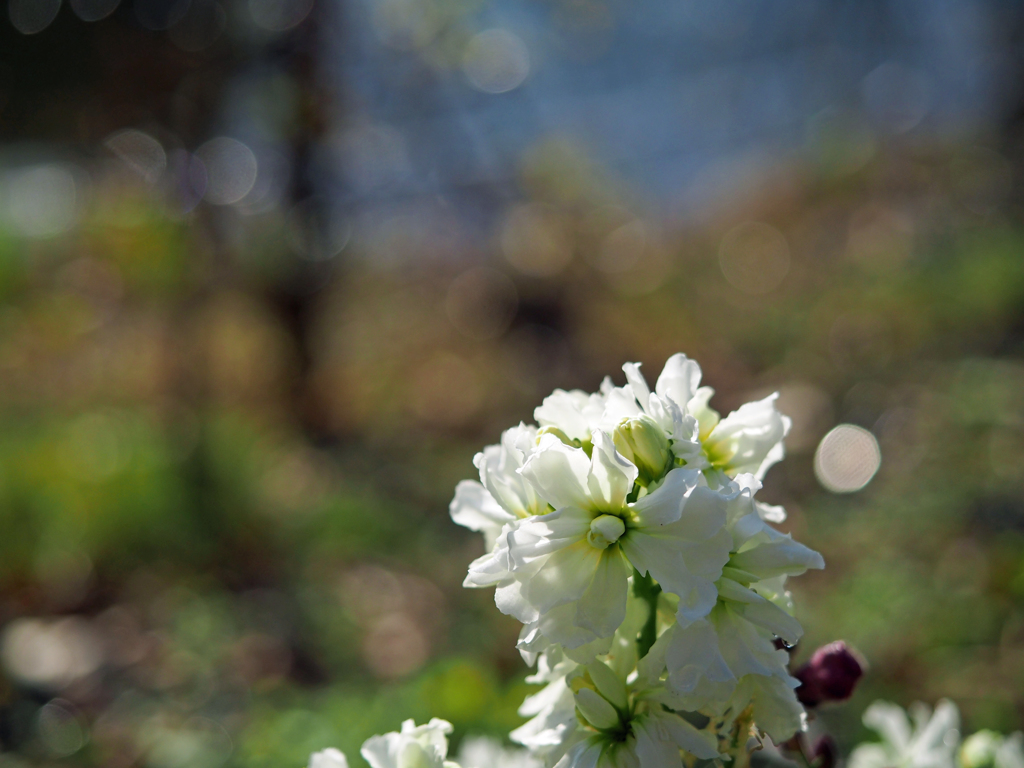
229 434
225 531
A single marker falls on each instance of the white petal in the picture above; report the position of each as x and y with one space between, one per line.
776 708
654 747
559 473
781 557
602 607
667 558
499 471
695 663
750 438
706 416
328 758
537 536
870 756
611 477
705 510
746 648
565 410
890 721
698 743
679 379
564 577
475 508
637 383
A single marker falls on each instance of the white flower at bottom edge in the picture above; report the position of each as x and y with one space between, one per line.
415 746
628 724
552 729
485 752
988 749
328 758
643 736
930 742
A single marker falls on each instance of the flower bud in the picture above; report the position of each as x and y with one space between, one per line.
825 752
980 749
596 710
609 685
830 675
644 443
605 530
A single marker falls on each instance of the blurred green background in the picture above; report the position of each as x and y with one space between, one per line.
238 385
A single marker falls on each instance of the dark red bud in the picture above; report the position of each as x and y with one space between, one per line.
825 752
830 675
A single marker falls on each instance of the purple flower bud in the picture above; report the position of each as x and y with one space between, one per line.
825 752
830 675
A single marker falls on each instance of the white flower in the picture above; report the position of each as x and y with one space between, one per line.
553 728
569 569
668 405
328 758
929 742
748 440
501 496
627 724
415 746
988 749
485 752
575 414
716 661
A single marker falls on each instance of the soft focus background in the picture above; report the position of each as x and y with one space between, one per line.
271 271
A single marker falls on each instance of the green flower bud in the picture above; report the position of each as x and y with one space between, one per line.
596 710
979 750
609 685
605 530
644 443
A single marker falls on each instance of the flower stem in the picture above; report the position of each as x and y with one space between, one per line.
645 588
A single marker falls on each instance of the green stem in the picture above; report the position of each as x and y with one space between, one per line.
646 589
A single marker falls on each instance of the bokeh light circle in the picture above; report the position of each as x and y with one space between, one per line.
847 458
32 16
42 201
754 258
231 170
496 61
94 10
140 152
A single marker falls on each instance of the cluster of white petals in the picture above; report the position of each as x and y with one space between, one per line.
415 746
623 531
922 738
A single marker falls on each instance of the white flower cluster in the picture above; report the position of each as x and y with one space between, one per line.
623 532
929 739
426 746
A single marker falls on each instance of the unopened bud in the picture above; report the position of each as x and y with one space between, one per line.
605 530
830 675
597 711
609 685
643 442
980 749
825 752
